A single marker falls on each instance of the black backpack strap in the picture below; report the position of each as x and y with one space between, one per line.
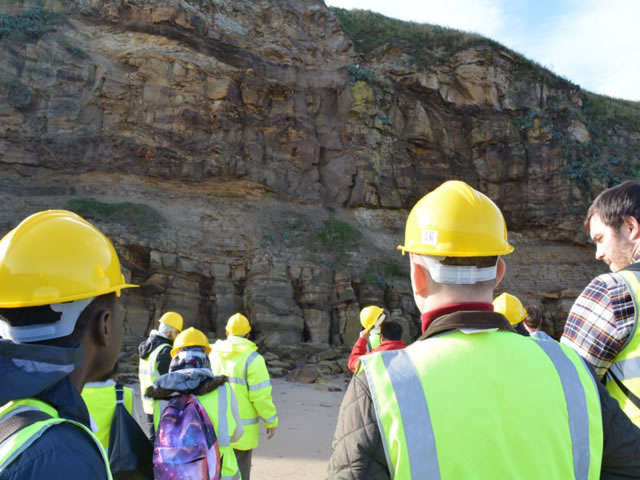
19 421
634 399
119 394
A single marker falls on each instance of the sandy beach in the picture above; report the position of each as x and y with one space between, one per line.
301 446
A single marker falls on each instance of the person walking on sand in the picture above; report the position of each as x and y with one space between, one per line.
237 358
61 327
155 356
450 405
190 373
602 325
391 339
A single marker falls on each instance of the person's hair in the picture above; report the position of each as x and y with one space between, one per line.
615 204
22 317
534 318
391 330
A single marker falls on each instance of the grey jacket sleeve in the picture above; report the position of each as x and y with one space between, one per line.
357 450
621 449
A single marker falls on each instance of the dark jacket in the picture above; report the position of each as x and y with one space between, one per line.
150 344
64 451
358 452
360 349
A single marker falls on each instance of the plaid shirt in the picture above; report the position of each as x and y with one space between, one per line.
601 320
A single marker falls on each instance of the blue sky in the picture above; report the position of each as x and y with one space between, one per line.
593 43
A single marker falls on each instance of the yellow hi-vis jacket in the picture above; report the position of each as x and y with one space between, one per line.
17 443
623 377
222 408
486 404
100 398
147 374
237 358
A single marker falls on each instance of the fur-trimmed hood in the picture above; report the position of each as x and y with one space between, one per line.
177 383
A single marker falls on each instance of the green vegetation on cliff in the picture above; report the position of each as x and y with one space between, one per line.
135 217
30 24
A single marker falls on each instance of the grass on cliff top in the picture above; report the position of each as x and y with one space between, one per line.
29 24
427 44
136 218
604 111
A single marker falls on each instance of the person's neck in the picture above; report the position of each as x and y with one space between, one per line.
79 377
444 298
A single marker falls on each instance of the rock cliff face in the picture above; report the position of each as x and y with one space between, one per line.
244 156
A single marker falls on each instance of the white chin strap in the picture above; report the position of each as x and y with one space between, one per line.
46 331
455 274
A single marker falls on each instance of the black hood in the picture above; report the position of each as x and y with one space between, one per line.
151 343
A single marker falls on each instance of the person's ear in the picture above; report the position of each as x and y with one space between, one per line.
631 228
502 268
419 279
103 328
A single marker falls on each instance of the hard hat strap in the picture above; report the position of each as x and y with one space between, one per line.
46 331
454 274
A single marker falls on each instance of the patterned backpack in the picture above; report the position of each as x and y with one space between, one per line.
186 444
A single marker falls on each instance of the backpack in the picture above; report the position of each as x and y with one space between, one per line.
186 445
130 451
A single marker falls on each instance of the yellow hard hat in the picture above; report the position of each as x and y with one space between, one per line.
509 306
191 337
172 319
369 317
238 325
455 220
56 256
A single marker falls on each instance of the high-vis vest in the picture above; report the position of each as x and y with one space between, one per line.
253 394
626 365
17 443
223 413
374 339
147 373
489 404
100 398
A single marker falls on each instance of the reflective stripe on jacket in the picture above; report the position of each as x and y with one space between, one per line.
100 398
222 408
626 364
17 443
450 406
238 359
147 374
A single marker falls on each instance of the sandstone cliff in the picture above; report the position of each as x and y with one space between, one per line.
255 156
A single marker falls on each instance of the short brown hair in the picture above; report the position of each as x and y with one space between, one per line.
534 318
615 204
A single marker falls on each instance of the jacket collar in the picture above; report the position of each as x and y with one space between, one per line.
64 397
467 319
431 315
